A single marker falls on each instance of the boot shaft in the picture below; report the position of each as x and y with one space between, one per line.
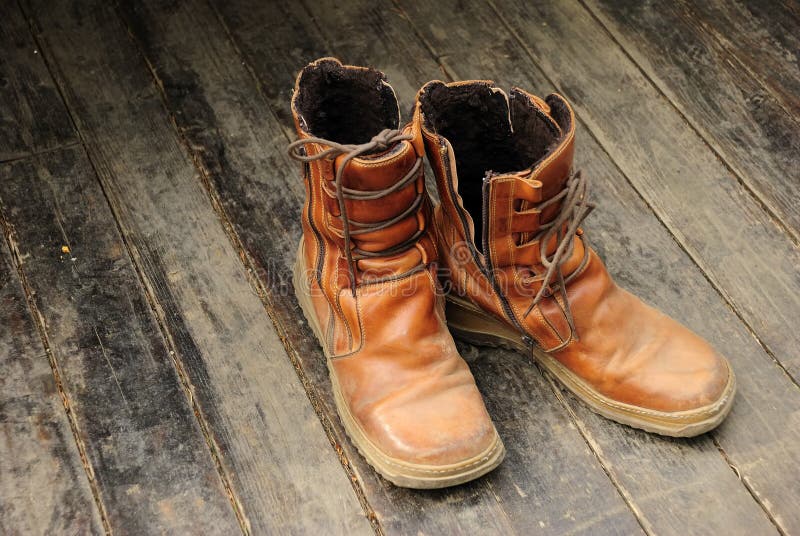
366 203
512 153
507 224
365 279
527 279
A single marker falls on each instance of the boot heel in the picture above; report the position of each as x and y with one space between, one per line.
472 325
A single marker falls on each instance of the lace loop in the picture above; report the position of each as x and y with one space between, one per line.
383 140
575 207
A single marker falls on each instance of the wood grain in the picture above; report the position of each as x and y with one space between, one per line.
275 460
669 482
240 145
227 124
752 262
28 95
765 36
43 486
739 118
142 443
687 129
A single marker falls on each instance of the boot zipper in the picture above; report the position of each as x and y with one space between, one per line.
485 268
487 180
309 215
320 253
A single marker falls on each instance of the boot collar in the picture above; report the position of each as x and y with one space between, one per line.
541 130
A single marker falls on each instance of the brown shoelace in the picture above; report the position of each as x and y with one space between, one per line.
574 209
383 140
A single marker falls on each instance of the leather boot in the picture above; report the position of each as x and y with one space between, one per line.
365 278
522 275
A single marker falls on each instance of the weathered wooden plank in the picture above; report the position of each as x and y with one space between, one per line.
765 36
32 115
292 35
745 254
672 483
236 139
731 110
398 510
43 486
146 453
273 453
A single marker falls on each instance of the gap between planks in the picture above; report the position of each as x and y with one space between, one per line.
256 284
556 391
265 295
135 261
41 328
716 286
749 489
581 426
29 293
575 418
713 284
183 376
761 201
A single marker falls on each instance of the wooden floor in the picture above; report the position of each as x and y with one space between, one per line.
156 373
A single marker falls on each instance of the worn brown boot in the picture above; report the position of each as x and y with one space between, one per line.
366 280
531 282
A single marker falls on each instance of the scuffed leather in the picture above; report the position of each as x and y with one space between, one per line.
396 364
407 386
625 349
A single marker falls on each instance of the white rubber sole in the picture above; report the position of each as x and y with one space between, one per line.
469 323
398 472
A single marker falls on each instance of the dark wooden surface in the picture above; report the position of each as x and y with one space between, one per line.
157 374
28 94
44 487
270 446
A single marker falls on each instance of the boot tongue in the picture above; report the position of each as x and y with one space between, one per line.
373 173
378 170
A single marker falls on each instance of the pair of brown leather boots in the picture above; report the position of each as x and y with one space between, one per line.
505 241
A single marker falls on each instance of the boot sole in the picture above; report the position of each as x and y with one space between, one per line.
398 472
469 323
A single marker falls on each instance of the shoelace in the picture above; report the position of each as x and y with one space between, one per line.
383 140
574 209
